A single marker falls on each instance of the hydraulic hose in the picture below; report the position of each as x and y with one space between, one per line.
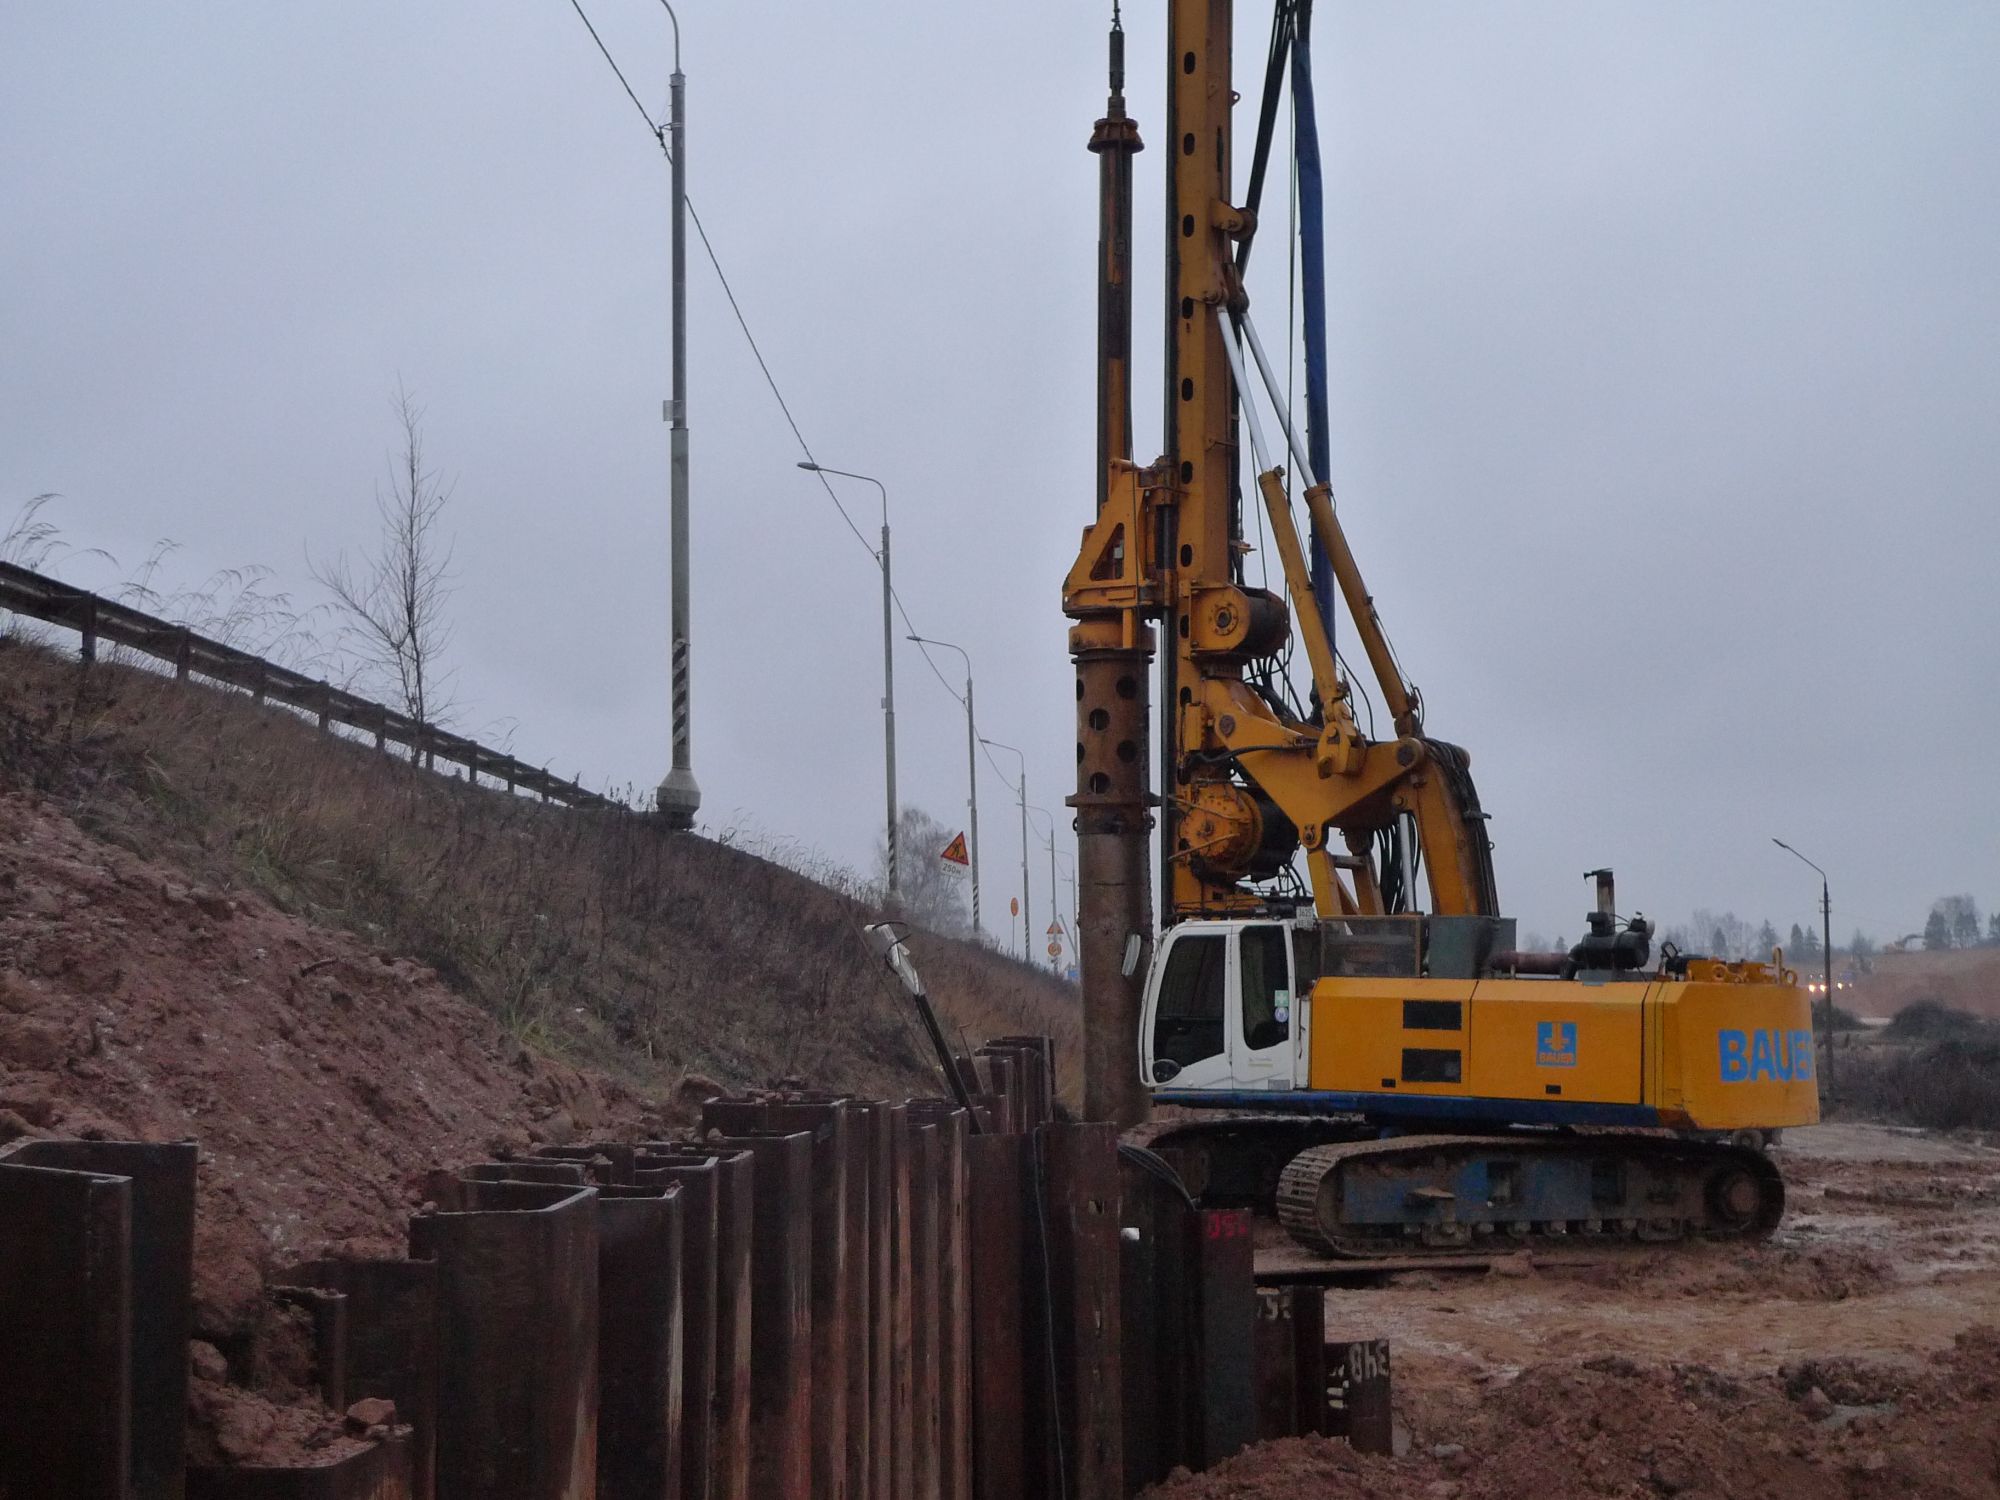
1312 287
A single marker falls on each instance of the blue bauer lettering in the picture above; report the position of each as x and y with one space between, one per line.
1735 1048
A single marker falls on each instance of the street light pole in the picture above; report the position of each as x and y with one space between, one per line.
1826 953
888 661
1027 952
971 768
1055 920
678 797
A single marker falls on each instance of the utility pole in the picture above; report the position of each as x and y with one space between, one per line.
888 663
1027 921
1826 955
678 797
1055 916
971 768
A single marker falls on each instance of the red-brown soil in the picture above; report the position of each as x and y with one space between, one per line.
1965 978
322 1079
1855 1355
1603 1425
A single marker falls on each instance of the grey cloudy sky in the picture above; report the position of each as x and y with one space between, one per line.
1666 404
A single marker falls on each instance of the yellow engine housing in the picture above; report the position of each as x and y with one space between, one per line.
1728 1048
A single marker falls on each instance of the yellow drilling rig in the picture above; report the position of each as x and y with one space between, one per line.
1373 1056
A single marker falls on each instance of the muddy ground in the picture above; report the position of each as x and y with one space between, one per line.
1856 1354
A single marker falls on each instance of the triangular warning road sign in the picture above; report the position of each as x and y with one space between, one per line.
1055 929
955 852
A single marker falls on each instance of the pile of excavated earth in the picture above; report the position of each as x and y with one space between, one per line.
1856 1355
1602 1425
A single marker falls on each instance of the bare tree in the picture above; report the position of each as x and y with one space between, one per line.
931 892
393 601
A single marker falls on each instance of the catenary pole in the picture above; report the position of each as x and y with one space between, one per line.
679 796
888 664
971 767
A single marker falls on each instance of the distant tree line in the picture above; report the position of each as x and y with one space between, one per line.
1954 923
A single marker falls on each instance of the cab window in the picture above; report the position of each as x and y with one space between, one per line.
1187 1026
1267 987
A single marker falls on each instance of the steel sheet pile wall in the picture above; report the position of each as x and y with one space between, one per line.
812 1297
1189 1303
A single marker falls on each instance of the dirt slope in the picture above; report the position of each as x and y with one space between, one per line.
1967 978
321 1077
596 937
338 972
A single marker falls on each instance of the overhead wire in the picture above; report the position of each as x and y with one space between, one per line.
659 135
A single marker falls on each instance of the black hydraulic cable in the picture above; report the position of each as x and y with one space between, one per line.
1155 1165
784 407
1267 118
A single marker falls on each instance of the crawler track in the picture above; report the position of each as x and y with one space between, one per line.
1449 1194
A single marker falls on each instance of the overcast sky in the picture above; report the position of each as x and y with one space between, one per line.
1666 404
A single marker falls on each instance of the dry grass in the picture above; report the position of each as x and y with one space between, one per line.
598 937
1933 1066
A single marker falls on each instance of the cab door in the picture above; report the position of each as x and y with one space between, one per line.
1263 1007
1187 1025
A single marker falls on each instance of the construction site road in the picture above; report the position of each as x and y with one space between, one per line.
1890 1246
1855 1354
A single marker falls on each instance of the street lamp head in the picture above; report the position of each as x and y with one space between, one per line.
808 464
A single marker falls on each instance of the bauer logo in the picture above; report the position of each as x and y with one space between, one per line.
1555 1044
1765 1056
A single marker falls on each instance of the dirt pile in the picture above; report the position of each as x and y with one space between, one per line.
1607 1426
1967 978
322 1078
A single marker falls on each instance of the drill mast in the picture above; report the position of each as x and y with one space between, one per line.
1248 778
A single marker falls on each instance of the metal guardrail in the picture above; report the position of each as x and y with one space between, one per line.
95 618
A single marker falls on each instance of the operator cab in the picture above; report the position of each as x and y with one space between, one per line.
1222 1009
